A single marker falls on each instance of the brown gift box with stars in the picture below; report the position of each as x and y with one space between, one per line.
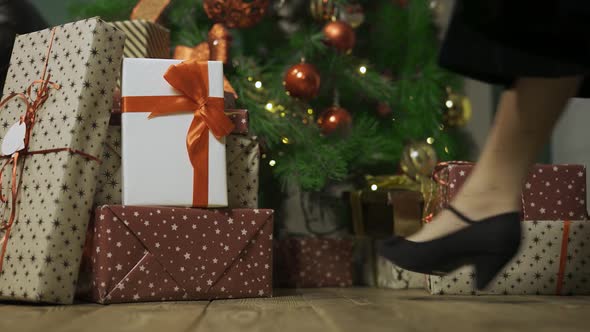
551 192
57 169
553 260
143 254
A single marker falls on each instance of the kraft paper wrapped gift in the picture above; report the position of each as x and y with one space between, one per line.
173 133
551 192
145 39
143 254
59 169
553 260
243 162
394 277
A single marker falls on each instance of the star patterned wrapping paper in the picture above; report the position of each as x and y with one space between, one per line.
547 264
314 262
394 277
57 189
243 162
144 254
551 192
108 190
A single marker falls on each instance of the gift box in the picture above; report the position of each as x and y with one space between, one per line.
243 161
383 213
552 261
145 39
551 192
108 190
391 276
174 132
239 117
143 254
314 262
71 71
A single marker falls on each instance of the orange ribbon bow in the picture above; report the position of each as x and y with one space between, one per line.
216 48
191 78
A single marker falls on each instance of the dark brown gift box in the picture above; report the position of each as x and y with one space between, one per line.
144 254
551 192
380 214
314 262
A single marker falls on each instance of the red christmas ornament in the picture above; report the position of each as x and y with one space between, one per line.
335 119
384 110
340 35
302 81
236 13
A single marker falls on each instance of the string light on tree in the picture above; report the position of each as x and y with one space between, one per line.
363 70
258 84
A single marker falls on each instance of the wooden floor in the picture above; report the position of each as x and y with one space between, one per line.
355 310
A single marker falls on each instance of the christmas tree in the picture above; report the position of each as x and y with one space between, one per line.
335 88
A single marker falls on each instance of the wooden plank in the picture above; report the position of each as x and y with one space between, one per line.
93 317
417 310
285 312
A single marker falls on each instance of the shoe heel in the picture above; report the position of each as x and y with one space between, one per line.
487 267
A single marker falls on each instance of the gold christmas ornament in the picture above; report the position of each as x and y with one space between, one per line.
457 110
322 10
352 14
418 160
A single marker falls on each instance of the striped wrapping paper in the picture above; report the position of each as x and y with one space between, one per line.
145 39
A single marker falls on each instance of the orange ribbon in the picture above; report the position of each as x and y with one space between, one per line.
216 48
563 256
191 78
32 103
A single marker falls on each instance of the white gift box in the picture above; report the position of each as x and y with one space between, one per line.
156 168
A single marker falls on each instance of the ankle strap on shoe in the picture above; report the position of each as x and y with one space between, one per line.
460 215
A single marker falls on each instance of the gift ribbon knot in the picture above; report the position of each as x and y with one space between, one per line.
191 79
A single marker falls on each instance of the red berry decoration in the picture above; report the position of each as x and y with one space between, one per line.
302 81
340 35
236 13
335 119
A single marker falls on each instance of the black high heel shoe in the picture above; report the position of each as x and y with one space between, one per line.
488 245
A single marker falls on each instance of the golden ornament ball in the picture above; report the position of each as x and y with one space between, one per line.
352 14
418 160
335 119
339 35
302 81
322 10
457 110
236 13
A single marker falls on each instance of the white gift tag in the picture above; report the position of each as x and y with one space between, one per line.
15 139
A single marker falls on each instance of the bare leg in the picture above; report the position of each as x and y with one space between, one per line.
524 122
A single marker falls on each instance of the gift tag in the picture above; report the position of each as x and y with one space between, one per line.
15 139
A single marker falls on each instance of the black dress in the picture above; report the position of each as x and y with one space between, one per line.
497 41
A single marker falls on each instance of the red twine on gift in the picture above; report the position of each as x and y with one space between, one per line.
32 105
563 256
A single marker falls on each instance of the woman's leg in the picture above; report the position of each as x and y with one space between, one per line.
524 122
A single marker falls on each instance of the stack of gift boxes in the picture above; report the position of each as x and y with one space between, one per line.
554 254
553 258
153 198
